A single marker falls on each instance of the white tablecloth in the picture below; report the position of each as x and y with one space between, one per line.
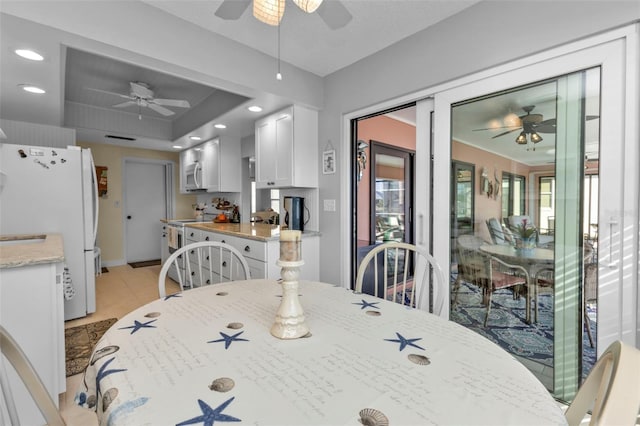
155 365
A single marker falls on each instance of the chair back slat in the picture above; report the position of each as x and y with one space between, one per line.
201 261
407 273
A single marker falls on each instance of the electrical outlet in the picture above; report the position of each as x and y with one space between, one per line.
329 205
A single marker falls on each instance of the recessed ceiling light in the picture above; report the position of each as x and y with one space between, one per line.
220 126
29 54
31 88
254 108
195 138
176 146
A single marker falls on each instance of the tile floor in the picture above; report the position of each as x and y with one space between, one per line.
118 292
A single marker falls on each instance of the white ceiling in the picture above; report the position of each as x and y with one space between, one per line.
306 42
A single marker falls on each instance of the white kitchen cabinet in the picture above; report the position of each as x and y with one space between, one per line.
287 149
220 160
32 311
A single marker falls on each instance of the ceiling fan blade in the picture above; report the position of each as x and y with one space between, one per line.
334 14
171 102
232 9
125 104
545 128
496 128
109 93
160 110
505 133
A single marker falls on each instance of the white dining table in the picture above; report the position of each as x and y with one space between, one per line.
206 356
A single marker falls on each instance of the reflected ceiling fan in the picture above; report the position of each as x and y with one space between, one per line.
530 125
333 12
141 95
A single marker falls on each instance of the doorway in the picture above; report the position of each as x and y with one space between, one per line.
146 201
382 163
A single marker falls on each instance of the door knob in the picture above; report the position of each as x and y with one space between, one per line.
129 217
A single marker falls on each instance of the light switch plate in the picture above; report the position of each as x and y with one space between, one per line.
329 205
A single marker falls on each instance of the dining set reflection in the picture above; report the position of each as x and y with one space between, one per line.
527 270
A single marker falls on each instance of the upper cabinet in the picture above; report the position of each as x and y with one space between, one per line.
287 149
214 166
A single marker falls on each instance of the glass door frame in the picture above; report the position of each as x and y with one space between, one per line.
618 269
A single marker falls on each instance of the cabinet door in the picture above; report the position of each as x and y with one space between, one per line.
284 150
266 153
211 165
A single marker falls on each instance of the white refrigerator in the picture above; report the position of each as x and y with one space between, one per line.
54 190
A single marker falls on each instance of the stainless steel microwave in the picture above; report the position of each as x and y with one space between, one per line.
193 177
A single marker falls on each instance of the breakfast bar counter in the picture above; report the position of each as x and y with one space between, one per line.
255 231
23 250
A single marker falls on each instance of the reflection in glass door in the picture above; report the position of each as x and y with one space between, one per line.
526 277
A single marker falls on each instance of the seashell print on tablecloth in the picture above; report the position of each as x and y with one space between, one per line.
108 397
235 325
102 352
419 359
373 417
222 384
221 293
153 315
373 313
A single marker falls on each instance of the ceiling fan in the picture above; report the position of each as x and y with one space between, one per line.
528 124
140 94
333 12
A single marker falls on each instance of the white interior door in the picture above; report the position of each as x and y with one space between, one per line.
145 204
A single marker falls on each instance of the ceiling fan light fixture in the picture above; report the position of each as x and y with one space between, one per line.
308 6
535 137
511 120
522 139
268 11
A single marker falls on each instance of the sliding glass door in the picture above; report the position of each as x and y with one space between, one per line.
536 137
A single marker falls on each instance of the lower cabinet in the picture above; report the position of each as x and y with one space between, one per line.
32 311
262 255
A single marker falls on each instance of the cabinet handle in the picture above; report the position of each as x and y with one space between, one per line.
191 234
207 257
192 251
224 264
193 273
247 249
206 238
223 242
208 282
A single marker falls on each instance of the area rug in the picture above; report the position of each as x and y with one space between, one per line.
79 343
508 328
145 263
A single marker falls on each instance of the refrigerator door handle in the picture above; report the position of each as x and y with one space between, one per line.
95 200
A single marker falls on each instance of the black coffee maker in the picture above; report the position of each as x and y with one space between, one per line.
294 213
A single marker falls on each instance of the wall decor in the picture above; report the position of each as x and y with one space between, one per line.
329 161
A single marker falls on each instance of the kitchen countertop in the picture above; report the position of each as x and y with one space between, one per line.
30 249
254 231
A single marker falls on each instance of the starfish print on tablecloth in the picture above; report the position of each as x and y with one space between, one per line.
228 339
137 325
366 304
103 372
211 415
170 296
404 342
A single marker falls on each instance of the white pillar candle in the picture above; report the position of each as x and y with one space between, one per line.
290 245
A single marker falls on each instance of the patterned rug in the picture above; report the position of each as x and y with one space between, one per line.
79 343
507 326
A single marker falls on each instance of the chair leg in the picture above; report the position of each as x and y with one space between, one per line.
486 317
456 287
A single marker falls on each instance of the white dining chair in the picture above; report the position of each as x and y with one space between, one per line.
204 263
18 359
611 390
401 272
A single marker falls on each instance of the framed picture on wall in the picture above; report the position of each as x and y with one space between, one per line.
329 162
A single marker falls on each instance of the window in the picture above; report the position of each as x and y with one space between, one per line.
513 194
547 192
